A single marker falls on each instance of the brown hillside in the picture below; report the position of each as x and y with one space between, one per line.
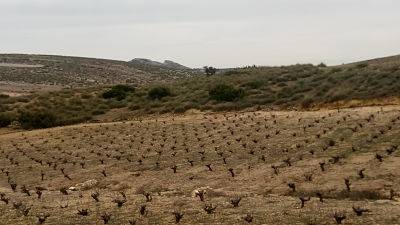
77 71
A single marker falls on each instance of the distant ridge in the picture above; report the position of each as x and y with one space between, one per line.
74 71
382 61
168 64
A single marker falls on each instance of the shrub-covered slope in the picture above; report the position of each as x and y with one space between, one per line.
297 86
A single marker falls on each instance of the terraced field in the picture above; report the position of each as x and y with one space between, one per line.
262 167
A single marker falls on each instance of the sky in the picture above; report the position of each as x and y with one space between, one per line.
220 33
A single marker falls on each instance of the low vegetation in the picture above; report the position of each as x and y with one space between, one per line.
37 119
118 92
297 86
157 93
224 92
65 107
5 120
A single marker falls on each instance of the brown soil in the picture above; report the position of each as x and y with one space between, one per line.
137 157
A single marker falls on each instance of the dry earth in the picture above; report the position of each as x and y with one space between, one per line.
267 159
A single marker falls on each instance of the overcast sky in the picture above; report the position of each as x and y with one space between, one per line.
223 33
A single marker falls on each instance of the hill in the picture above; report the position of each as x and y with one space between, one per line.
296 87
390 61
167 64
260 167
254 145
68 71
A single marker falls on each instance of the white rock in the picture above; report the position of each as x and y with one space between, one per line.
85 185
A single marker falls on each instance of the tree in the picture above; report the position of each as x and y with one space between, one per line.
209 70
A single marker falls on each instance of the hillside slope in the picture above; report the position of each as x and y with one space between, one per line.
296 87
390 61
167 64
78 71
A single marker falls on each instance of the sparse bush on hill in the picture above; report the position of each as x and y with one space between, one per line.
5 120
4 96
301 86
336 97
37 119
306 103
119 95
255 84
337 70
235 72
362 65
86 96
98 112
225 93
157 93
118 92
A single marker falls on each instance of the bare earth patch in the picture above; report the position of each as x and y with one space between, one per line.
19 65
14 89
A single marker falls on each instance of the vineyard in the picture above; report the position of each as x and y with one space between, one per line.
262 167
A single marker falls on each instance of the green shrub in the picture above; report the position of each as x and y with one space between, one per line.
185 107
5 120
86 96
37 119
296 97
4 96
23 99
362 65
235 72
281 101
119 95
306 103
98 112
336 70
227 106
118 92
282 84
125 88
117 104
225 93
255 84
337 97
158 93
4 107
134 107
267 100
